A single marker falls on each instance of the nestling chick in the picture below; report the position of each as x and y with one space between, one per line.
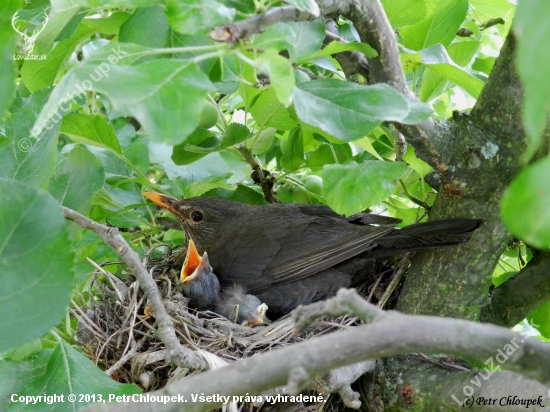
241 308
202 287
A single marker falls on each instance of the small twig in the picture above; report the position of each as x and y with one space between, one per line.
82 317
381 275
126 357
177 354
259 175
413 198
445 365
395 280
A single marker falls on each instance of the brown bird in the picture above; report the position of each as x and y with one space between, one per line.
290 254
202 287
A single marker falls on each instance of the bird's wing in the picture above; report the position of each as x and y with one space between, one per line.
292 246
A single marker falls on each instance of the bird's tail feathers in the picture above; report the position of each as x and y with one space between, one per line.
427 235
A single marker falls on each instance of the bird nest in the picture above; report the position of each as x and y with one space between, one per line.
119 330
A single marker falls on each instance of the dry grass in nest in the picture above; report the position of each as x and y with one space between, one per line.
119 329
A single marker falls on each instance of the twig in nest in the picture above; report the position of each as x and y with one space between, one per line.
111 236
395 280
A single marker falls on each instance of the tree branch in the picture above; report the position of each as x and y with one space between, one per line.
512 301
247 27
351 62
482 154
260 176
386 334
176 353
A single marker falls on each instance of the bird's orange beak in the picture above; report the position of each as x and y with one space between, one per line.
192 262
166 202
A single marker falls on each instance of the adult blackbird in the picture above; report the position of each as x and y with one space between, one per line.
202 287
289 254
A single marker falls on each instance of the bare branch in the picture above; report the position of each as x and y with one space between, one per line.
245 28
176 353
512 301
350 62
260 176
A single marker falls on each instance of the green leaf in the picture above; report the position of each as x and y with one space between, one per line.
346 110
410 61
301 39
264 140
182 153
197 16
293 153
23 352
437 59
16 375
165 96
70 28
267 110
242 194
443 18
70 372
418 112
79 177
26 157
353 187
181 40
92 130
484 64
281 75
321 156
56 23
541 318
524 207
203 186
36 262
490 9
309 6
37 74
235 133
336 47
138 155
404 12
533 64
62 5
419 165
147 26
7 49
433 84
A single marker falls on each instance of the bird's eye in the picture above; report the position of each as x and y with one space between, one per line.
196 216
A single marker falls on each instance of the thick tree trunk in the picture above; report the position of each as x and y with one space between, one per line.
480 157
406 383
